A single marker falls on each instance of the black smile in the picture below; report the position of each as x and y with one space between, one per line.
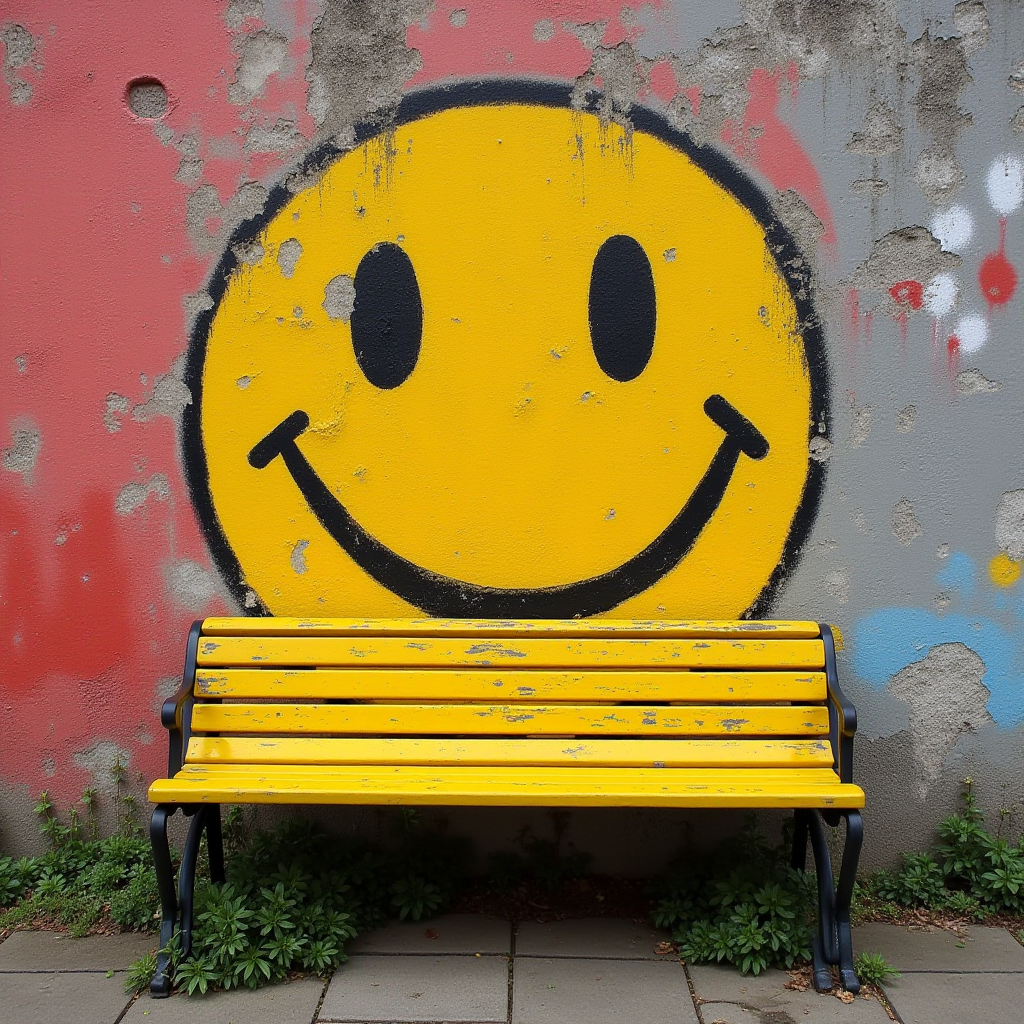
442 595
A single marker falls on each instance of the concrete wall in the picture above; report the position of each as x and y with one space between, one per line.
820 199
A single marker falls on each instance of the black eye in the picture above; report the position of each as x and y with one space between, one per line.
623 312
387 317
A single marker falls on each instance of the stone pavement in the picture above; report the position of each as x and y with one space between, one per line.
464 969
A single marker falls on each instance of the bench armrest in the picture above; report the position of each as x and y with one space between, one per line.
842 716
176 713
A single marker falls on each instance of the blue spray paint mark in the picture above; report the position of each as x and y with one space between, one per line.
957 574
889 639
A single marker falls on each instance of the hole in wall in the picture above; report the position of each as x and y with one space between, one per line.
146 97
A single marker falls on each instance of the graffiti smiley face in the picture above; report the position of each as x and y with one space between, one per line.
505 360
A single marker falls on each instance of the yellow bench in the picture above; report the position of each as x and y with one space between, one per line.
582 713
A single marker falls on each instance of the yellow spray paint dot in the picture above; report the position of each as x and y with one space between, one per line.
1003 570
480 350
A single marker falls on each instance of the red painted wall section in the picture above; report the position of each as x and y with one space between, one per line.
110 223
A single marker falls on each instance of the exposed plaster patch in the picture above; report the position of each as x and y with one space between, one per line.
288 255
860 428
21 363
801 220
340 298
458 18
943 551
298 557
147 98
947 699
880 133
210 224
906 418
1009 524
260 55
971 20
838 584
623 77
906 527
20 48
190 584
190 170
134 495
543 30
360 61
250 253
943 67
1017 121
240 11
169 397
99 759
280 137
116 406
869 188
820 448
907 254
21 456
974 382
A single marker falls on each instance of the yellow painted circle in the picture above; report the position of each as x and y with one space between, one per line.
508 458
1003 570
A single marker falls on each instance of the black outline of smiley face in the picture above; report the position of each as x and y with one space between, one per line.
440 595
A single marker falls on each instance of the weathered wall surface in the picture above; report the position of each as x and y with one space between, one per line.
612 248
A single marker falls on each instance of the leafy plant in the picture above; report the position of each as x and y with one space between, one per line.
742 904
873 969
139 974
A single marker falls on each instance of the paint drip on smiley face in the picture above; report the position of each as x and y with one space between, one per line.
571 381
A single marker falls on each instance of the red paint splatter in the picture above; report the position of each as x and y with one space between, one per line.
997 278
953 355
906 295
764 140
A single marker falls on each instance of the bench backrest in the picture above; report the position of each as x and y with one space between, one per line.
427 691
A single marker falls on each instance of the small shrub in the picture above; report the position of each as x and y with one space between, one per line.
873 969
139 974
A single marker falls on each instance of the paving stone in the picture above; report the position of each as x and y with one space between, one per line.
452 933
292 1002
729 997
935 949
372 987
557 990
51 951
974 998
594 937
39 998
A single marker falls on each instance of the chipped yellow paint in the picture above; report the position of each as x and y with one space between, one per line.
500 458
395 652
1003 570
533 685
721 629
651 753
564 787
512 719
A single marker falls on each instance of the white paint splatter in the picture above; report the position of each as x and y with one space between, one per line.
1006 184
941 294
972 332
953 227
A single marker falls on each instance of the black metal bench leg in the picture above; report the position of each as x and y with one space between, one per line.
160 985
187 876
844 894
215 843
826 950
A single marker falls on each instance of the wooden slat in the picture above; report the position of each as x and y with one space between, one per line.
399 652
663 628
568 787
514 719
532 685
654 753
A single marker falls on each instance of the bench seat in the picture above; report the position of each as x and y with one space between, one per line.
579 713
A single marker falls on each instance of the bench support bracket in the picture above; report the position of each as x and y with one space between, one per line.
833 944
176 906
